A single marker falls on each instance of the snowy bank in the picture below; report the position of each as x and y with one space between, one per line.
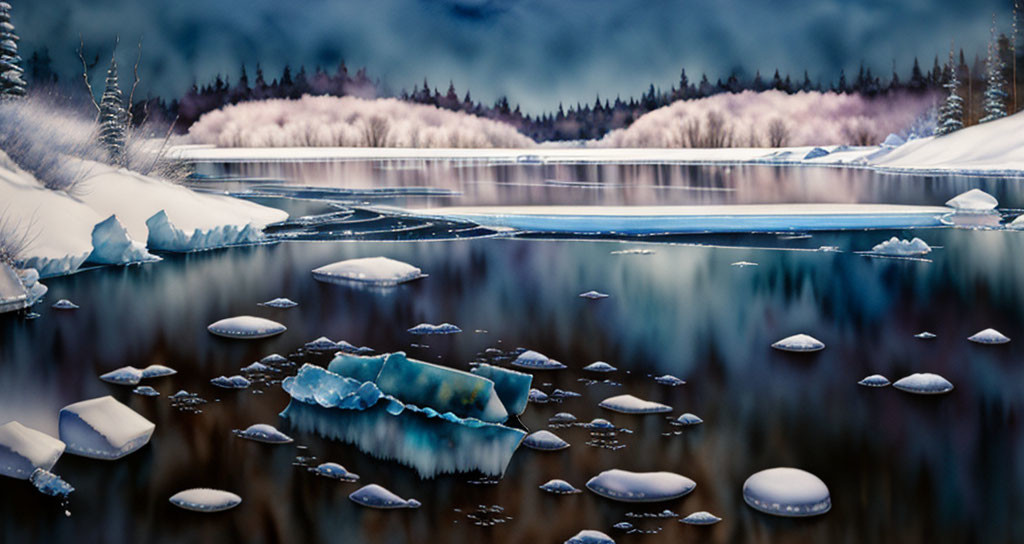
993 148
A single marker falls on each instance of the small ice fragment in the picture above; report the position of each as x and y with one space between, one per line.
379 271
103 428
701 518
427 328
563 394
600 424
334 471
633 252
246 326
902 248
628 404
973 201
280 303
50 484
623 526
538 396
799 343
787 492
815 153
924 335
274 359
233 382
261 432
375 496
202 499
64 304
562 418
321 344
668 379
626 486
594 295
875 380
127 375
545 440
536 361
828 249
512 387
743 264
157 371
688 419
560 487
600 366
181 394
590 537
146 391
23 450
989 336
924 384
258 368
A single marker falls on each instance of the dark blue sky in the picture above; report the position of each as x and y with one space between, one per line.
539 52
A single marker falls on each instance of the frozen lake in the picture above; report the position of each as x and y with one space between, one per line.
900 467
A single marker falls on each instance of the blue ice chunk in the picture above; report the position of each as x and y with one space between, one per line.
513 387
815 153
364 369
314 385
441 388
50 484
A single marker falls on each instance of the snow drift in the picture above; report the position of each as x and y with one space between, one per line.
773 118
328 121
989 148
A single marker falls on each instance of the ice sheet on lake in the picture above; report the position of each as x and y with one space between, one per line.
789 492
536 361
924 384
23 450
626 486
989 336
973 201
246 327
375 496
800 343
103 428
513 388
380 271
202 499
560 487
545 441
628 404
112 245
902 248
590 536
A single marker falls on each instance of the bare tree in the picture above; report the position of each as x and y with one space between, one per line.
375 131
778 133
717 134
693 133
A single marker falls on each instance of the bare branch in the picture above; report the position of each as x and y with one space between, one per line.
85 74
135 83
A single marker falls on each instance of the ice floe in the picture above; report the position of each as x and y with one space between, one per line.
203 499
146 391
23 450
988 336
600 424
701 518
924 335
112 245
375 496
280 303
427 328
50 484
357 367
261 432
444 389
103 428
512 387
628 404
688 420
380 271
128 375
743 264
668 379
258 368
536 361
633 252
335 472
562 418
874 380
64 304
799 343
560 487
973 201
590 536
924 384
274 359
594 295
789 492
545 440
902 248
246 326
600 366
232 382
538 396
157 371
626 486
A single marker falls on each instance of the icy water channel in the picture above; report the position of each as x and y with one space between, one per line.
900 468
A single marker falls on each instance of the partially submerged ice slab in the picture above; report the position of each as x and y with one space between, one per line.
788 492
246 327
103 428
112 245
513 388
375 496
166 236
600 366
628 404
800 343
357 367
23 450
203 499
380 271
924 384
626 486
444 389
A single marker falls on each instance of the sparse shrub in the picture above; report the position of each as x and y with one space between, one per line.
778 133
15 239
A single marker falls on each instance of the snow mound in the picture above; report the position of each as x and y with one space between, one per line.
165 236
668 379
701 518
205 500
427 328
600 424
545 441
258 368
103 428
924 335
902 248
536 361
146 391
590 536
562 418
23 450
513 388
874 380
560 487
688 419
787 492
924 384
375 496
628 404
537 396
127 375
625 486
274 359
594 295
893 140
993 147
321 344
973 201
233 382
600 366
112 245
800 343
334 471
157 371
246 326
280 303
989 336
380 271
261 432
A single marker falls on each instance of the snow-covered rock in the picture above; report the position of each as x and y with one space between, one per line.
103 428
157 371
626 486
628 404
594 295
261 432
701 518
989 336
246 326
925 335
600 366
973 201
64 304
232 382
146 391
562 418
380 271
544 440
334 471
902 248
893 140
127 375
559 487
924 384
205 500
280 303
112 245
590 536
375 496
427 328
668 379
800 343
536 361
688 420
788 492
23 450
874 380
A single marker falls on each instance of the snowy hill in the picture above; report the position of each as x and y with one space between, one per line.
989 148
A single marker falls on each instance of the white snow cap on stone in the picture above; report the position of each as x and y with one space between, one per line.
373 270
103 428
23 450
799 343
789 492
974 200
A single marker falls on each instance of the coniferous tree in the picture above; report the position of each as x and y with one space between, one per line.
12 75
951 115
995 88
113 117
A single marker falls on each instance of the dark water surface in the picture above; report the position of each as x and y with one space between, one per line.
900 468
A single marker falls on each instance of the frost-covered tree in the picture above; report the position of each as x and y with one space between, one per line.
995 89
12 75
113 117
951 115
